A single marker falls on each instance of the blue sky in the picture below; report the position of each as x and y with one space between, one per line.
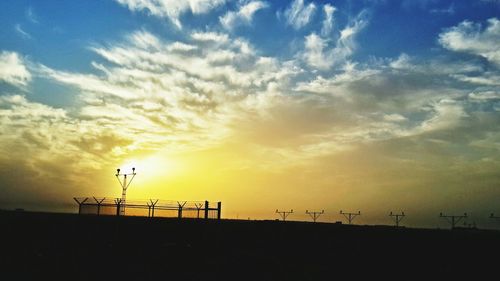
373 100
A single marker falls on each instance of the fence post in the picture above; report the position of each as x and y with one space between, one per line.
219 205
80 204
206 209
118 203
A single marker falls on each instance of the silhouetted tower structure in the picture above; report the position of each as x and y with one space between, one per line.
315 215
397 218
453 220
284 214
124 184
350 216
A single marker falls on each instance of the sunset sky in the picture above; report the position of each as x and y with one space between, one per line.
374 105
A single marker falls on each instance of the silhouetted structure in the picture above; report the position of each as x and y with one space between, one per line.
315 215
148 208
350 216
124 184
284 214
453 220
397 217
492 216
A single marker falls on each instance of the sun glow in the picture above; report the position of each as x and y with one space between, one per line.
149 167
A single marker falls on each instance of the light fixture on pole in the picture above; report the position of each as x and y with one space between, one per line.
124 184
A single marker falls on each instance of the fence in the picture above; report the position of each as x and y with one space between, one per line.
148 208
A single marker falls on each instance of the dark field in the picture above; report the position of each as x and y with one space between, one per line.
43 246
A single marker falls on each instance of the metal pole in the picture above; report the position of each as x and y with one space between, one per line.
284 214
350 216
219 209
124 184
454 219
397 217
206 209
315 215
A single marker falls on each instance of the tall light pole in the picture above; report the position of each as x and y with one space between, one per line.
397 217
350 216
284 214
315 215
124 184
453 220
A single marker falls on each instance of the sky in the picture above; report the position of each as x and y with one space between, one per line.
369 105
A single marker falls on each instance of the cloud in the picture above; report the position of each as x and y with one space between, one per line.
262 115
323 53
485 78
449 11
298 15
471 38
447 114
13 69
29 13
21 32
242 17
485 96
327 26
172 9
174 92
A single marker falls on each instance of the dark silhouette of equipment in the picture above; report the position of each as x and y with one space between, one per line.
150 208
284 214
453 220
350 216
397 218
124 184
315 215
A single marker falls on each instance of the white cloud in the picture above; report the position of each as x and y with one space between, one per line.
244 16
21 32
487 78
30 15
13 69
298 15
402 62
485 95
446 114
322 52
172 9
327 27
181 93
394 117
210 36
449 11
314 53
470 38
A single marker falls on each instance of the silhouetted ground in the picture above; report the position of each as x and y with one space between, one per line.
44 246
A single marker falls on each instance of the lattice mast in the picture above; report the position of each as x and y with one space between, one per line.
124 184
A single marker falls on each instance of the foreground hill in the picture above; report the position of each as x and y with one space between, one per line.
43 246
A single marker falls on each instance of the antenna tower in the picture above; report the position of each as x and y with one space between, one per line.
453 220
284 214
397 217
124 184
315 215
350 216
